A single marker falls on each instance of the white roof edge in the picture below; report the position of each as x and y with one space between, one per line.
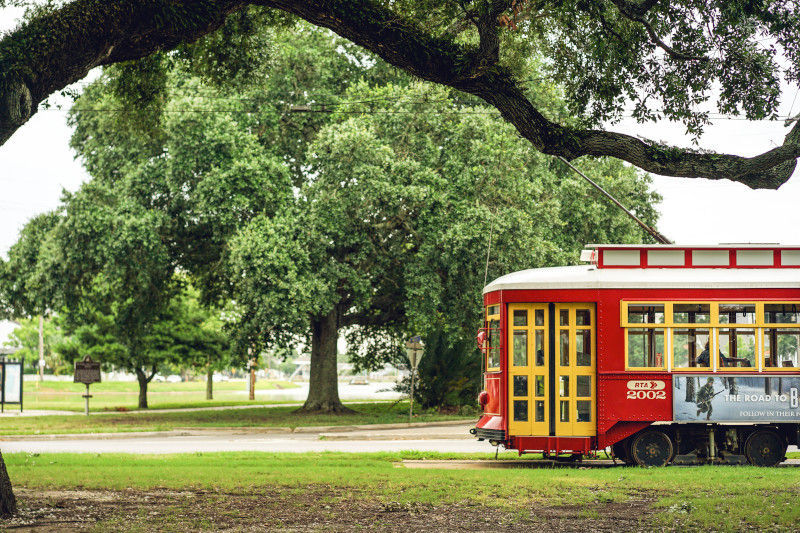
590 277
726 246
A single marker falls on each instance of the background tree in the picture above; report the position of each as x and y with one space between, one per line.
26 339
114 276
666 59
212 154
390 234
183 334
193 335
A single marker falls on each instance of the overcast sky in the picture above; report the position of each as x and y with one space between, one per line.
36 164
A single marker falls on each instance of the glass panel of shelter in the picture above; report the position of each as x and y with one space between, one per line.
575 370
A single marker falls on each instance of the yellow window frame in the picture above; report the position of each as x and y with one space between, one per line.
714 327
666 353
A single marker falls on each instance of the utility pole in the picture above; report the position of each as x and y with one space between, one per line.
41 347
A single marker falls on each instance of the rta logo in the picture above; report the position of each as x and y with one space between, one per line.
650 389
651 384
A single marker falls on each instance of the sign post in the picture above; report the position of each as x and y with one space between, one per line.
87 372
414 349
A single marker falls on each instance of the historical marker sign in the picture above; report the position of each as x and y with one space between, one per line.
87 371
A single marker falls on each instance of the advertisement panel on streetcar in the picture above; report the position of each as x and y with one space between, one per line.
736 398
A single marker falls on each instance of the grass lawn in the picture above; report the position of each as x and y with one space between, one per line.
114 395
280 416
334 491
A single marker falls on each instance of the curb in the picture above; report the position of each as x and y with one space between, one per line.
367 427
390 436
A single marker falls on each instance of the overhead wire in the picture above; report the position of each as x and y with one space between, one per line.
332 106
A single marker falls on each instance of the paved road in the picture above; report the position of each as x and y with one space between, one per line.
451 439
430 438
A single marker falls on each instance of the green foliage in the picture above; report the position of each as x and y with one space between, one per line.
450 372
183 334
392 227
26 339
25 290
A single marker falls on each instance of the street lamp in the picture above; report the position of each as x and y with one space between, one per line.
414 350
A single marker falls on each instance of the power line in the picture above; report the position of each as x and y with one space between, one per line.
335 107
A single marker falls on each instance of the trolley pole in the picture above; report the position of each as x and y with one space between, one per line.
414 350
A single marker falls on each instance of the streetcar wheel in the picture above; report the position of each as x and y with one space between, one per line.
622 452
651 448
764 447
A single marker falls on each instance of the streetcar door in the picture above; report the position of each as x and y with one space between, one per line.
528 369
575 370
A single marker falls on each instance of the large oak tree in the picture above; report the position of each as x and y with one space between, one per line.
389 234
667 58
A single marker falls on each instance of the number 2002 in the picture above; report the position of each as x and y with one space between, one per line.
647 395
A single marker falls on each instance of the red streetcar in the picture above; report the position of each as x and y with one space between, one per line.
663 353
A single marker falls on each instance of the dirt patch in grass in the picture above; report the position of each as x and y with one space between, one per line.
310 508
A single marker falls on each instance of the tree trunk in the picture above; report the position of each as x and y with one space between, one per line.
323 391
141 377
8 502
210 385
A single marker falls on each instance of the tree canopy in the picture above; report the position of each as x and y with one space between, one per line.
655 59
390 233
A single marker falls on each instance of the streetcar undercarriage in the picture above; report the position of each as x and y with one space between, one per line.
688 444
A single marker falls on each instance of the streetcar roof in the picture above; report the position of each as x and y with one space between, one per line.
591 277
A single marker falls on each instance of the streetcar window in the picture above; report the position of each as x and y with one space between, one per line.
539 386
781 313
737 313
493 348
737 347
645 348
583 386
493 310
520 385
584 411
563 317
583 347
782 348
539 337
521 317
583 317
563 386
539 411
520 348
564 348
521 410
539 317
690 348
564 411
691 313
646 314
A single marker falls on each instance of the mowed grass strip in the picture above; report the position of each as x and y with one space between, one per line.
114 395
713 497
279 416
